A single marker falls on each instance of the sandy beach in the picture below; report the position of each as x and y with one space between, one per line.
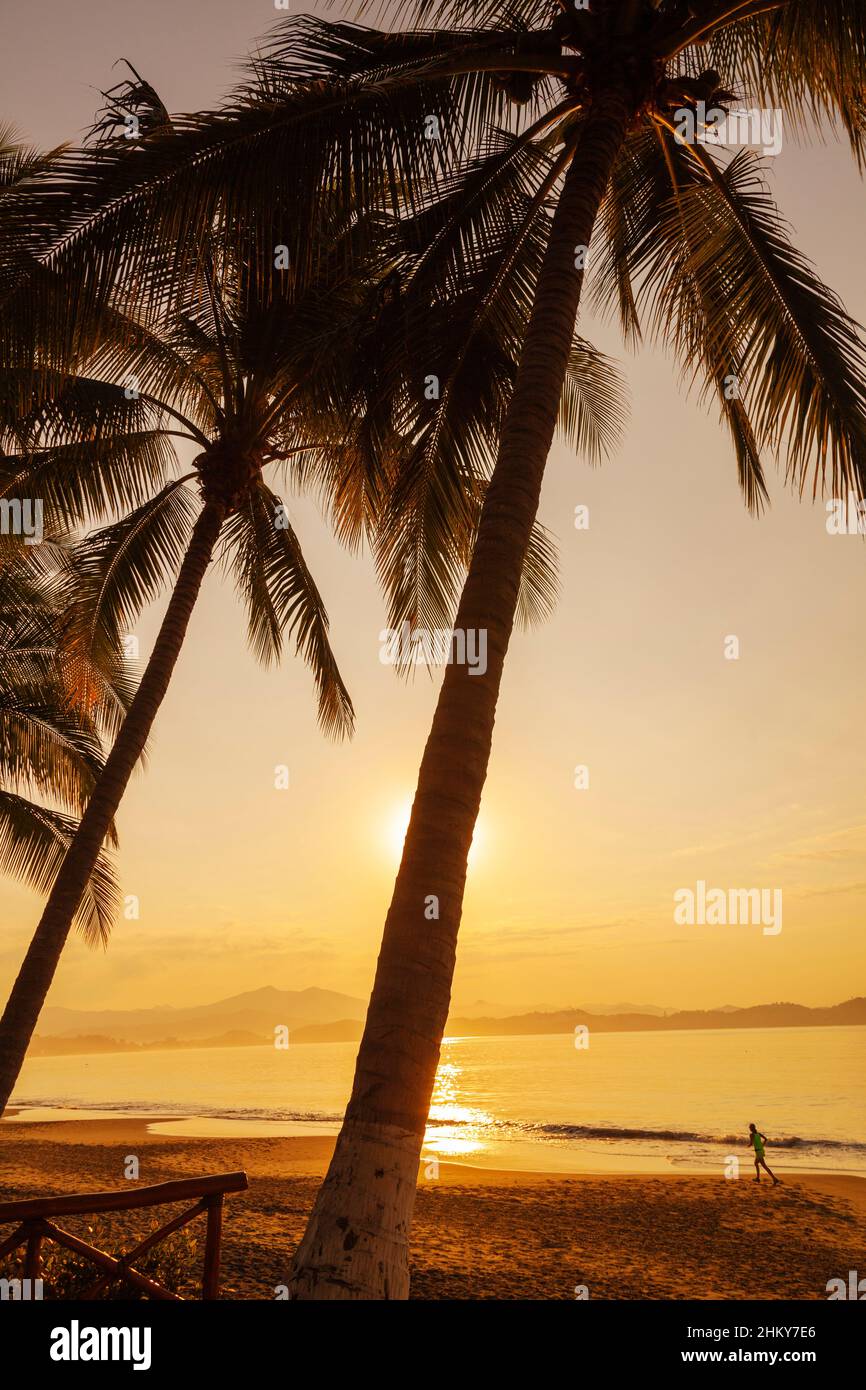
484 1233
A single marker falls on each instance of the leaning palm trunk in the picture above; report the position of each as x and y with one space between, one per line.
37 972
356 1242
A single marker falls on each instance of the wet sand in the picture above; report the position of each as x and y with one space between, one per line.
483 1233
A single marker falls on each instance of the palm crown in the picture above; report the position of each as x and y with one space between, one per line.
231 374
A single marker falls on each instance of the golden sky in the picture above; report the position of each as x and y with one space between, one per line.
747 773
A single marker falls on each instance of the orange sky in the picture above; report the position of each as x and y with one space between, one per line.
744 774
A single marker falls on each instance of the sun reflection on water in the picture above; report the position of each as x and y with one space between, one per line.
453 1129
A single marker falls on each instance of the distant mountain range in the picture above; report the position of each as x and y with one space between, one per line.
258 1011
853 1011
480 1008
81 1043
321 1015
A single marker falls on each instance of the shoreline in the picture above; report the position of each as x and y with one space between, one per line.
309 1154
487 1232
508 1156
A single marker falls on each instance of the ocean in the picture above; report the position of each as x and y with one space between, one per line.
629 1102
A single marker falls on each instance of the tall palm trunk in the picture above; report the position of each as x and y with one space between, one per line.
356 1242
37 972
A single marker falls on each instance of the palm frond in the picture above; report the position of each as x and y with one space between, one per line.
802 365
594 409
282 600
116 571
539 580
33 844
807 60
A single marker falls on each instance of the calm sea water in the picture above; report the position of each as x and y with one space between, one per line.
631 1101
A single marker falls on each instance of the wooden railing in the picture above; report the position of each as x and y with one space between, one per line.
37 1226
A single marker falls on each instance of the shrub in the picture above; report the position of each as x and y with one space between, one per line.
174 1262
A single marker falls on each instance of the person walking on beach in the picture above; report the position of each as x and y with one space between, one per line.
757 1141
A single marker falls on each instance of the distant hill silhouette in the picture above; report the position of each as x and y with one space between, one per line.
566 1020
343 1030
258 1012
83 1044
321 1015
853 1011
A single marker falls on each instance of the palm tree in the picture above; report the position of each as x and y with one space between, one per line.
695 242
50 739
237 373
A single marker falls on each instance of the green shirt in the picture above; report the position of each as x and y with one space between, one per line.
758 1143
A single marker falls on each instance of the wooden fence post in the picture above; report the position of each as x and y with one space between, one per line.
211 1275
32 1257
